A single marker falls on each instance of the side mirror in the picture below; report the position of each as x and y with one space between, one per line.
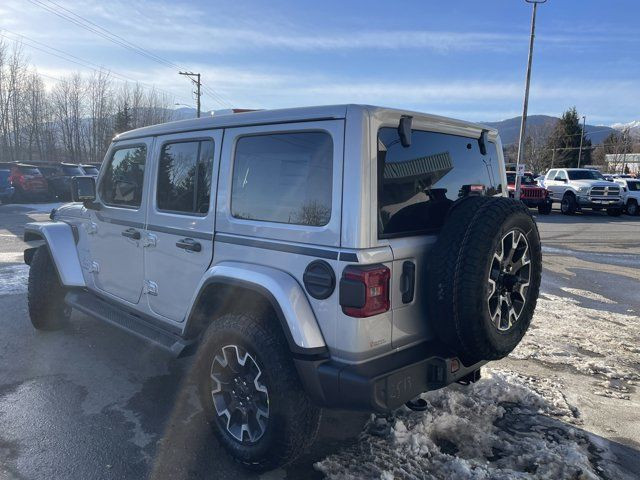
83 189
404 130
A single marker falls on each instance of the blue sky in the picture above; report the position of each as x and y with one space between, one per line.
458 58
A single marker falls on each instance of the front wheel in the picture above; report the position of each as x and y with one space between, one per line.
568 205
47 309
251 393
545 208
614 212
632 208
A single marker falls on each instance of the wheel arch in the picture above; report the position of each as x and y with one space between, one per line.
235 286
61 243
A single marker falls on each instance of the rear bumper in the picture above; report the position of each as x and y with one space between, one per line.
383 384
7 192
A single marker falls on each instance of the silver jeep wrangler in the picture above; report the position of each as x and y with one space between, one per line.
345 256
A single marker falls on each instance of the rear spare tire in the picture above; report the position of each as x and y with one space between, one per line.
484 278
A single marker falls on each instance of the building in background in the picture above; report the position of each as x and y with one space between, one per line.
623 162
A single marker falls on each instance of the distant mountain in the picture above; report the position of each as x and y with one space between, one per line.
510 129
634 128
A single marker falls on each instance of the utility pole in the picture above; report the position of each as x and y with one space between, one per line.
581 137
523 122
196 81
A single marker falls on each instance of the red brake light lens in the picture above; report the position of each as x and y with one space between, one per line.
367 290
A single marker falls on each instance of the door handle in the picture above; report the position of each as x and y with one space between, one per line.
408 281
131 233
189 244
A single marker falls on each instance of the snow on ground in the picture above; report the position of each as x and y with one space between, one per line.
591 341
33 207
506 426
14 276
587 294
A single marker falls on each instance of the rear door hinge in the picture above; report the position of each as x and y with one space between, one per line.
150 288
91 228
149 240
91 267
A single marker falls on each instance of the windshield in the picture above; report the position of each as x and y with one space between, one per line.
633 186
585 175
418 184
72 170
527 179
90 170
29 170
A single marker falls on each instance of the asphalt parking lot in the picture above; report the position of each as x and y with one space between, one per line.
93 402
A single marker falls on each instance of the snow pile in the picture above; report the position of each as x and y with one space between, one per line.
594 342
505 426
13 279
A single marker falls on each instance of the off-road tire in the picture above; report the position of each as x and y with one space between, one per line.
614 212
568 205
293 419
457 277
632 208
45 295
545 208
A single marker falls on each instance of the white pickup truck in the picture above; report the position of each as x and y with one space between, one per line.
630 194
579 188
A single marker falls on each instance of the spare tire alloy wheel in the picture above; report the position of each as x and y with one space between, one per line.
239 396
509 279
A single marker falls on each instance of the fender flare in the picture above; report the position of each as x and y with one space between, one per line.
280 289
59 238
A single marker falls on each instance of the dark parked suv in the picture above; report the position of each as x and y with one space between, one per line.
59 179
6 189
28 182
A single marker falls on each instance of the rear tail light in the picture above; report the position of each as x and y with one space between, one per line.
364 291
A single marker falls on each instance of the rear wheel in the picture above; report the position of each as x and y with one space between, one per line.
484 279
568 205
47 309
251 392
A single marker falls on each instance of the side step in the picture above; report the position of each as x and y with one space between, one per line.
96 307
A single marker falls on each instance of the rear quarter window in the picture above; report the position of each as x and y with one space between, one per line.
283 178
418 184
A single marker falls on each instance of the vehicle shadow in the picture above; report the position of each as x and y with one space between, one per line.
188 449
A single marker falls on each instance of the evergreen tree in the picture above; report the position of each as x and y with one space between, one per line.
123 119
565 138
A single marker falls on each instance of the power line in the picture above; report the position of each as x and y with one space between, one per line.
105 33
32 43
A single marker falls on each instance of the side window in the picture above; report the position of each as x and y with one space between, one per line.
552 174
561 175
184 177
283 177
123 179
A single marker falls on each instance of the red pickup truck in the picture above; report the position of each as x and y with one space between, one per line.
531 194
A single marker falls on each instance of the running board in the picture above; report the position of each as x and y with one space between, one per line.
94 306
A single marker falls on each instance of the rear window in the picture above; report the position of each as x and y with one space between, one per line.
71 170
4 175
418 184
90 170
283 177
29 170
